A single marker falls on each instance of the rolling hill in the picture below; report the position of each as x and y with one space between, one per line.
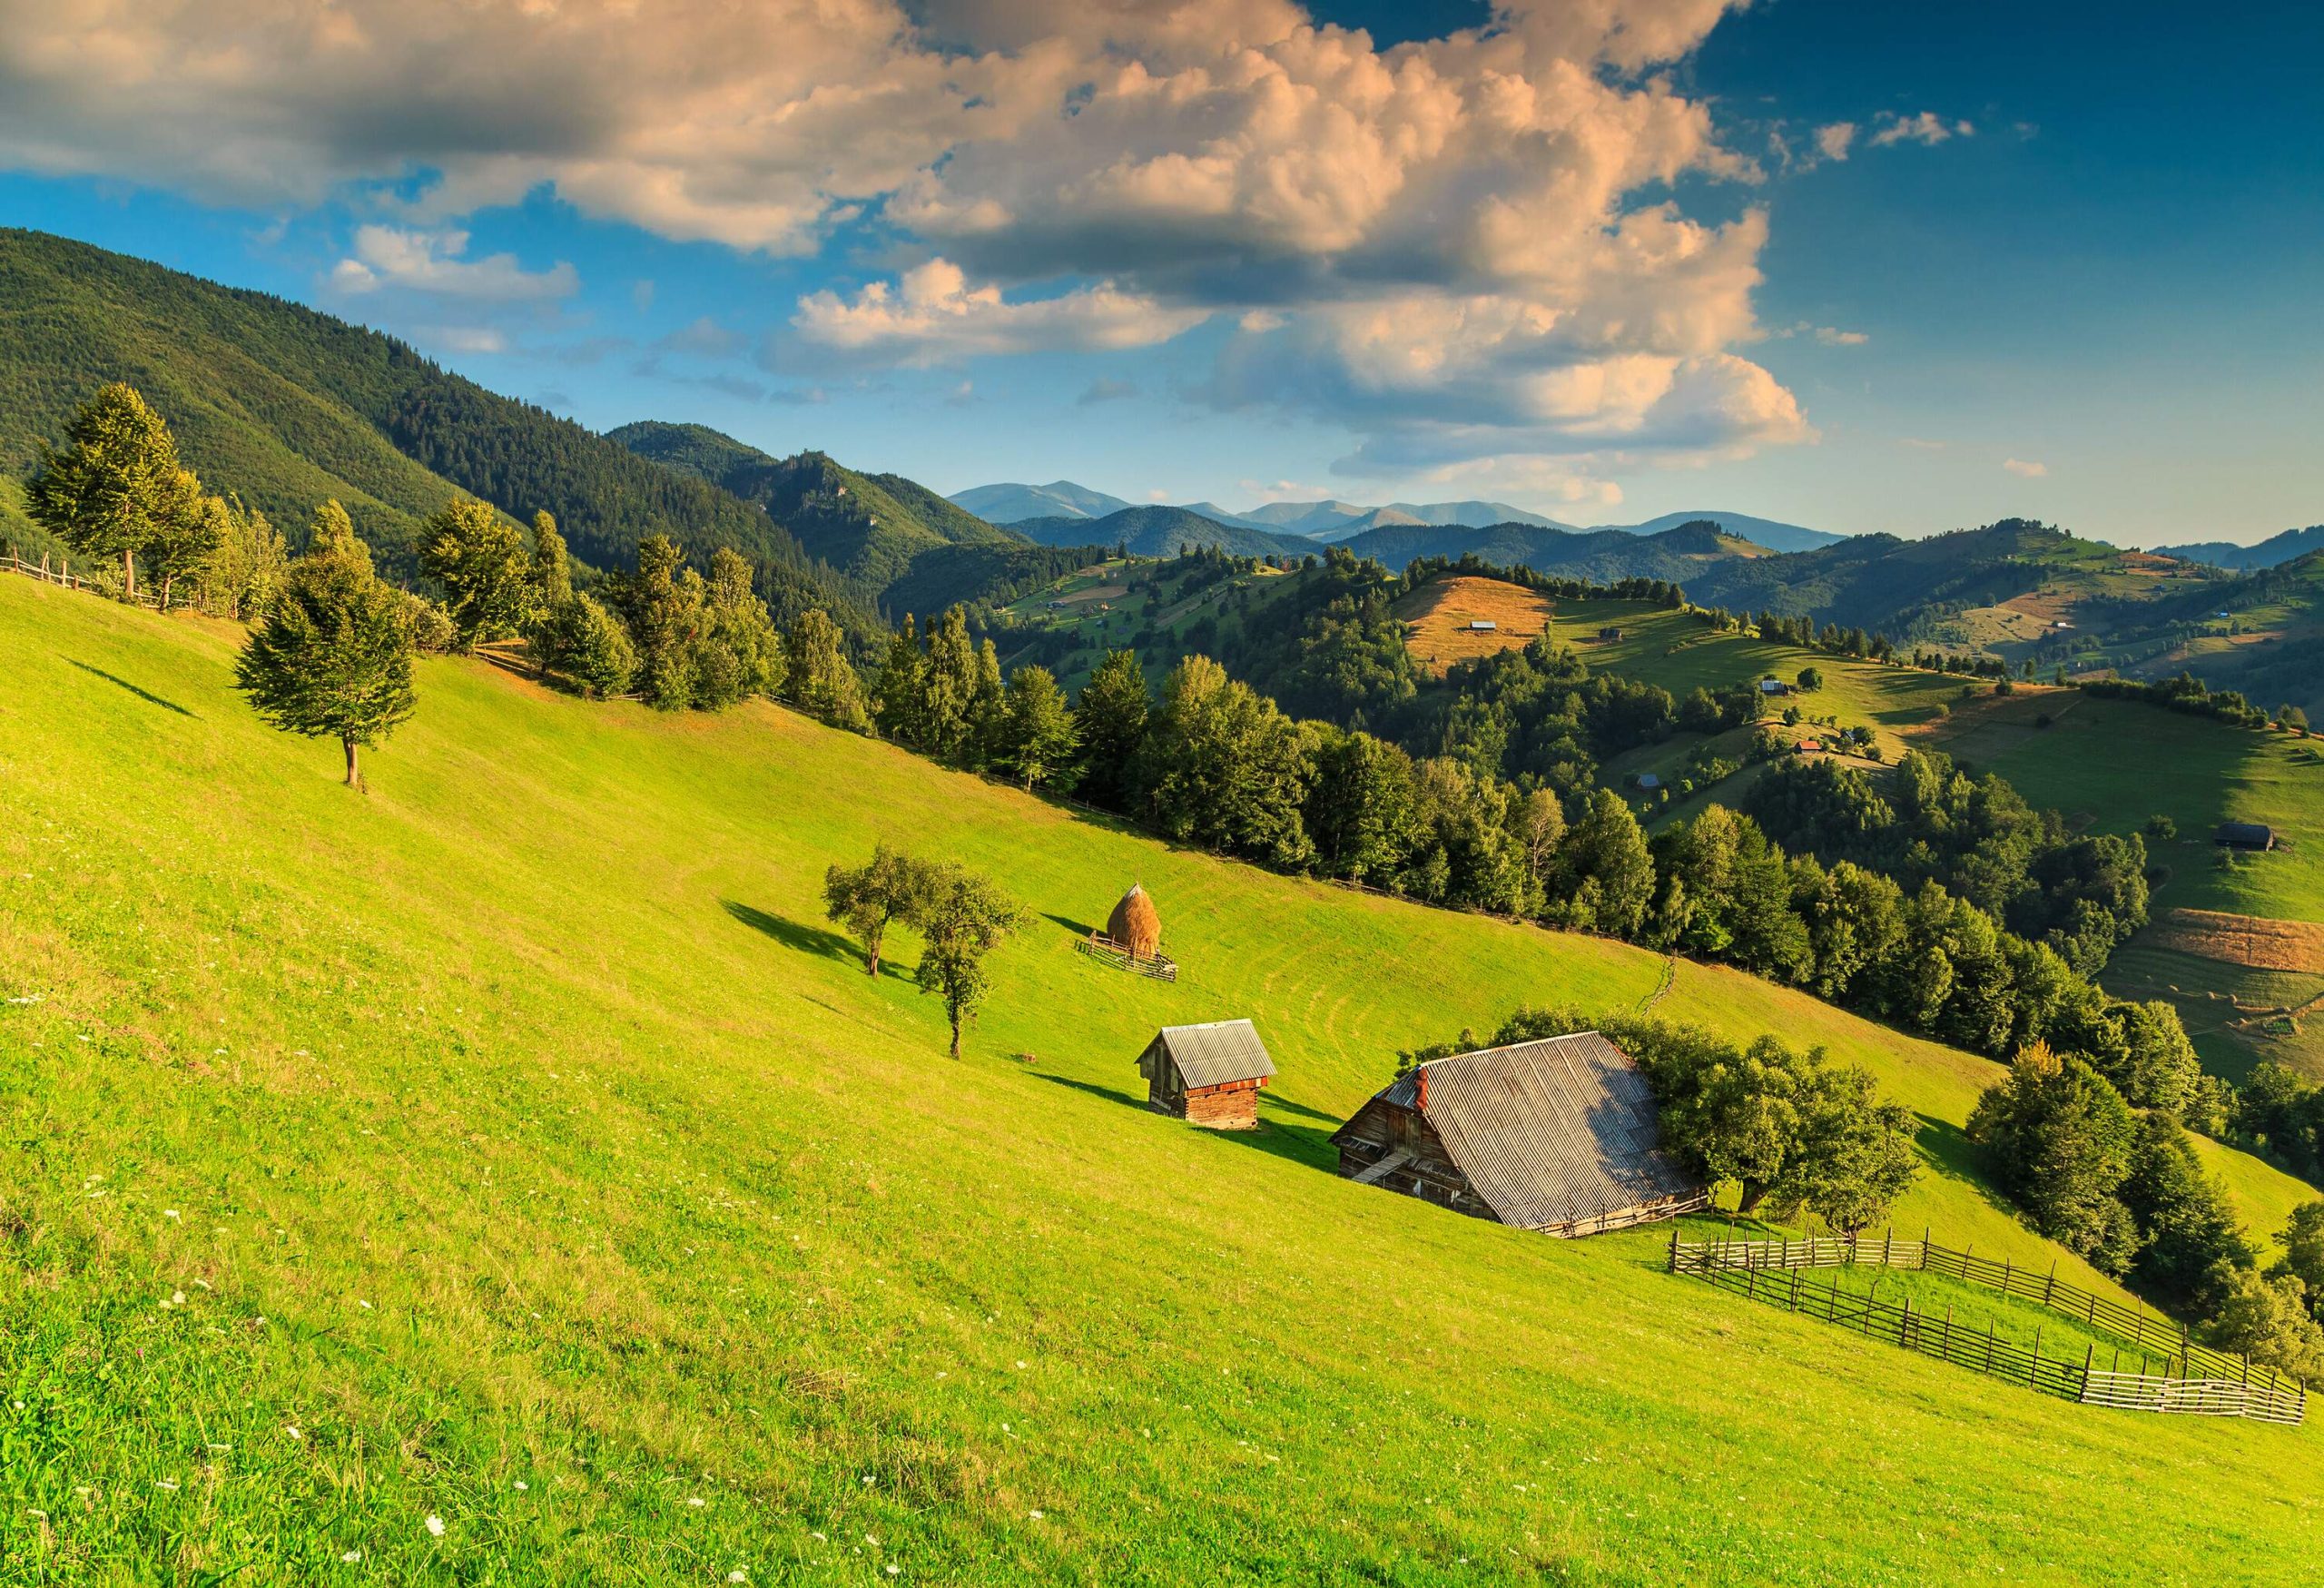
1771 533
1061 498
1162 532
518 1148
2266 554
287 407
1681 555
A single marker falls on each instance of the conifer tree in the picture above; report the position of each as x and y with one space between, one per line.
114 489
896 705
248 565
334 654
188 529
822 683
949 685
478 557
742 648
588 645
1111 715
964 918
1035 736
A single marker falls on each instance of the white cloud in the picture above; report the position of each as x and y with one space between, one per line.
1106 388
463 339
933 315
431 262
2023 470
1084 176
1833 337
1834 140
1928 127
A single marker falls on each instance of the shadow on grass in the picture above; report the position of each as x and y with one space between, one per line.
1077 928
807 939
1111 1094
1302 1144
146 695
1285 1105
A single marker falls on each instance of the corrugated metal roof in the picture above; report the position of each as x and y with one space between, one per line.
1217 1053
1548 1132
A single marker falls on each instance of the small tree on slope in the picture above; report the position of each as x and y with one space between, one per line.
965 918
334 654
117 486
890 886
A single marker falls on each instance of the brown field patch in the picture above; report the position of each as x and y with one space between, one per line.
2249 940
1095 593
1436 619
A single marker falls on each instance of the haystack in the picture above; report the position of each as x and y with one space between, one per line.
1135 924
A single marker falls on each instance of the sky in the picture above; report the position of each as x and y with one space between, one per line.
1864 267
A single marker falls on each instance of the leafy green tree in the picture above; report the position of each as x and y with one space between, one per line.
1361 812
738 650
898 706
2189 1241
1224 767
1540 828
1604 878
964 918
988 707
188 529
1734 1116
2303 1241
1111 715
581 640
2060 1138
334 655
247 565
666 607
1856 1155
115 488
2266 1319
548 583
1035 736
865 899
820 681
950 684
478 558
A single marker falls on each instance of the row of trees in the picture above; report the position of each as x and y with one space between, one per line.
961 917
2127 1190
117 489
1792 1131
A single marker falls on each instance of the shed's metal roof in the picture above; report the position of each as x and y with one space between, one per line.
1550 1131
1216 1053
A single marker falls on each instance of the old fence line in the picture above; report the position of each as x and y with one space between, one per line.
2194 1378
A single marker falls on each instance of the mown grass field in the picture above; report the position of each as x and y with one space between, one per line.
529 1156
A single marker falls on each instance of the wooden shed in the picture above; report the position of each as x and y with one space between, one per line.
1557 1135
1210 1074
2256 835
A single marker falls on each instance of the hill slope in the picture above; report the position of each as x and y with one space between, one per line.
1771 533
1162 532
2266 554
287 407
520 1138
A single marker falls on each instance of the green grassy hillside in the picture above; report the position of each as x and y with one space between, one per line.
527 1154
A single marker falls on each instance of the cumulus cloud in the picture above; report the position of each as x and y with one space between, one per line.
1459 247
431 262
1834 140
2024 469
1106 388
1928 127
934 315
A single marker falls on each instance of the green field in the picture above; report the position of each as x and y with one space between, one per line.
1107 606
521 1137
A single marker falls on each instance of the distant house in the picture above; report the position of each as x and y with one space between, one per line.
1208 1074
1649 780
1608 635
1481 625
2060 623
1774 686
1557 1135
1808 747
2256 835
2223 615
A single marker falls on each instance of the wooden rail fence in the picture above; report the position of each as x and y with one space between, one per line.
1161 967
2193 1378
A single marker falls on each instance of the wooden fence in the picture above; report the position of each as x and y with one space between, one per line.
1161 967
2192 1378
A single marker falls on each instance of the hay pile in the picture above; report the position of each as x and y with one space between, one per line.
1136 924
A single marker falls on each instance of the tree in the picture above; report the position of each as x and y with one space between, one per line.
1111 715
1034 735
2189 1245
1540 828
897 705
334 654
964 918
949 687
1224 767
822 683
2303 1241
1604 878
2266 1319
2061 1136
1811 679
739 651
586 643
115 488
247 565
890 886
478 557
1361 812
1856 1154
188 529
548 580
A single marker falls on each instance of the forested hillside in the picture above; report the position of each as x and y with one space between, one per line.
287 407
1163 532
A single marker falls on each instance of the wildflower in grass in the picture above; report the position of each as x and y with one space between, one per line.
169 1213
893 1568
292 1429
522 1486
1036 1515
166 1483
435 1525
352 1556
696 1501
738 1576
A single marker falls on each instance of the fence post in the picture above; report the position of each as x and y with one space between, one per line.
1948 1331
2051 1289
2089 1351
1924 1234
1886 1238
1674 1249
2034 1368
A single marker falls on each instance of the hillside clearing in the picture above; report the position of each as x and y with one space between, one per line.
557 1141
1437 618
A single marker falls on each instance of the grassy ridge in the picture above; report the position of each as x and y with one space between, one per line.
556 1142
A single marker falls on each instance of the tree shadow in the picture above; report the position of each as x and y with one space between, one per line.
145 695
1077 928
1302 1144
806 939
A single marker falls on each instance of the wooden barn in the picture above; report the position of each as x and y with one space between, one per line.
2256 835
1557 1135
1208 1074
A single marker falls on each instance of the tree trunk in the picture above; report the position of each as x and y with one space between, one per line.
354 777
1752 1195
956 1034
129 575
871 959
167 580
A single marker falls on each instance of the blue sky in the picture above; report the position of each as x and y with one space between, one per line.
1862 267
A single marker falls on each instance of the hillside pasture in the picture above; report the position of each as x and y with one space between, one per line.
518 1146
1437 618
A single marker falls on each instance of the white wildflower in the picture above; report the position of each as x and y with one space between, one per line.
435 1525
169 1213
165 1483
352 1556
696 1501
738 1576
1036 1515
292 1429
522 1486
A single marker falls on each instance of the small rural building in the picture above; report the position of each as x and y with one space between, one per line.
1649 780
1207 1074
1774 686
2245 835
1608 635
1808 747
1482 626
1558 1135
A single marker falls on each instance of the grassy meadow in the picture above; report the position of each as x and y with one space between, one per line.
506 1176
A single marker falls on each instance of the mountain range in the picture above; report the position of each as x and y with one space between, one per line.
2272 552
